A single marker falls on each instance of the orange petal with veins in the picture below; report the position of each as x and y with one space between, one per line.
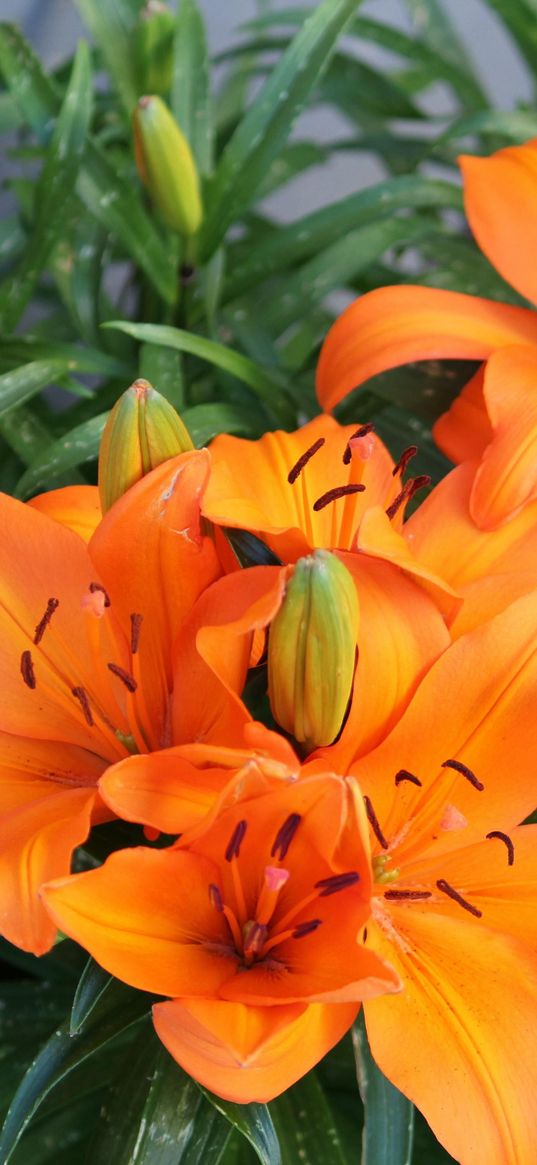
249 1053
500 196
395 325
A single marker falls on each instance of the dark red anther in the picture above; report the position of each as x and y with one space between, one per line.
410 488
82 696
215 897
27 669
340 491
95 586
507 842
404 459
124 676
136 623
336 883
405 775
458 898
285 836
458 766
235 841
361 432
305 928
303 461
44 622
374 823
407 895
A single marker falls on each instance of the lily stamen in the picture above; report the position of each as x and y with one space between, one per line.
374 822
27 669
81 695
123 675
445 888
295 472
361 432
507 842
459 767
407 895
406 456
274 881
339 491
285 836
52 606
336 883
405 775
136 623
98 587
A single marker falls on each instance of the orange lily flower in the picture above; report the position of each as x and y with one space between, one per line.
334 486
88 634
494 415
455 901
250 923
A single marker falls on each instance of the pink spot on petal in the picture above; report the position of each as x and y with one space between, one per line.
94 602
363 446
452 819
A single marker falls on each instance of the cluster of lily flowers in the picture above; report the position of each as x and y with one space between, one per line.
364 845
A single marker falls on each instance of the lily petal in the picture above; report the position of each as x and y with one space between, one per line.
249 486
464 432
395 325
249 1053
154 939
500 195
153 533
452 1042
507 477
75 506
488 568
492 673
37 840
163 790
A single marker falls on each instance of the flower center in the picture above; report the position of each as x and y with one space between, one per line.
255 936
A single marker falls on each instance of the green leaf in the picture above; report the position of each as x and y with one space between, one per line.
268 122
111 199
337 266
110 25
114 201
358 89
255 1123
516 125
75 357
264 386
117 1010
22 383
307 1130
163 368
156 1114
76 447
205 422
389 1116
91 987
315 231
520 17
435 28
190 96
53 190
36 95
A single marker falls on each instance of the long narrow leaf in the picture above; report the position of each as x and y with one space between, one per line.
190 96
389 1116
110 25
54 189
78 446
266 126
264 386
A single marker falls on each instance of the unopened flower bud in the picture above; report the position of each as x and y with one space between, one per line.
142 431
312 650
153 47
166 166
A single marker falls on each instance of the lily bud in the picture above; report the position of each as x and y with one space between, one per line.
312 650
153 47
166 166
142 431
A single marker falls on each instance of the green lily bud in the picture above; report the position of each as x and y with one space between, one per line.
142 431
312 650
153 47
166 166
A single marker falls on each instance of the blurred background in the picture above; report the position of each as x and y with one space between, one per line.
53 27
